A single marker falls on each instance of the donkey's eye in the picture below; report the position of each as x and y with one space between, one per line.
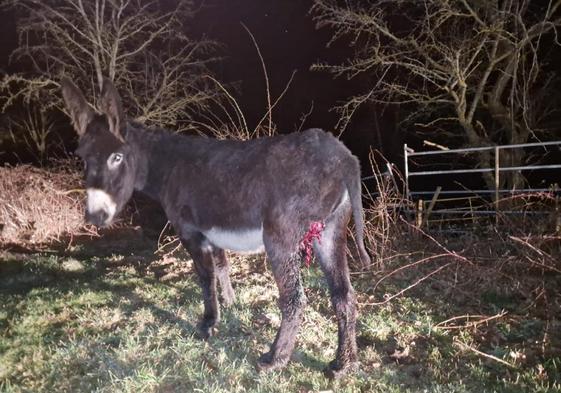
114 160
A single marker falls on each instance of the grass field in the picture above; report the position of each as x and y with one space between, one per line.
88 319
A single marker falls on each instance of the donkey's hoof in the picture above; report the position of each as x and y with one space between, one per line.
336 371
228 300
267 363
205 331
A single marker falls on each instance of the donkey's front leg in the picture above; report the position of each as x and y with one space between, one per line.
222 268
202 254
292 301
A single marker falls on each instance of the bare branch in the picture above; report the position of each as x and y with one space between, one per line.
469 63
137 44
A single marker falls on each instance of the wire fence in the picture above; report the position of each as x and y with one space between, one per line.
443 207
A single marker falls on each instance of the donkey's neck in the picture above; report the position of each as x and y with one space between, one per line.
134 138
148 146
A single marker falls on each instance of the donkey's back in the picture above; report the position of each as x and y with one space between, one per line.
299 178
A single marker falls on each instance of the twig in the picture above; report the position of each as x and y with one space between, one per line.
239 112
162 245
266 75
427 259
433 144
305 116
408 288
273 105
440 245
465 346
539 252
469 324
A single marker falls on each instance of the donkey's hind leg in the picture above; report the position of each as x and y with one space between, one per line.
222 266
292 300
332 257
202 254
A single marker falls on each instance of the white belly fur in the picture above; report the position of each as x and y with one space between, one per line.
245 241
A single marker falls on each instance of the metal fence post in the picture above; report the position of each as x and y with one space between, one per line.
557 212
431 206
497 182
406 158
419 214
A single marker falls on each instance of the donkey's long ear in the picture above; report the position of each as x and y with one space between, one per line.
110 104
80 112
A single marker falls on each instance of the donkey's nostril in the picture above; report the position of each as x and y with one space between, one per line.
99 218
103 216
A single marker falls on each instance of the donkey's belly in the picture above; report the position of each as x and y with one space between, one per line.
245 240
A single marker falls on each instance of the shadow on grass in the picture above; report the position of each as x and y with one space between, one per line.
398 362
308 361
21 274
19 278
22 269
87 263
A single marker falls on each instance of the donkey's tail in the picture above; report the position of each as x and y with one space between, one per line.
354 189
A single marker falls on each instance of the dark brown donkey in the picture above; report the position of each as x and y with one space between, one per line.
269 194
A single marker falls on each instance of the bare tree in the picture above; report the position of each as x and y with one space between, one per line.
34 125
468 69
140 45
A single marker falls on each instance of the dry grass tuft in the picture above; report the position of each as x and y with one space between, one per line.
493 281
40 206
382 211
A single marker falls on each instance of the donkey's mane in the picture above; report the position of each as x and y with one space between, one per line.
159 134
178 145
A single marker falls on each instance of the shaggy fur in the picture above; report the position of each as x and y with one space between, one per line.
245 196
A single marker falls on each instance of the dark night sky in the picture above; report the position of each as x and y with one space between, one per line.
8 37
289 41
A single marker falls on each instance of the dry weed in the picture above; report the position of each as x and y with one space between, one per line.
488 274
39 206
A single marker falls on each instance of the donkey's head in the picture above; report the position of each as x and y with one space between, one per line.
109 162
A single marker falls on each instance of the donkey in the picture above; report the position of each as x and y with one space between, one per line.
268 194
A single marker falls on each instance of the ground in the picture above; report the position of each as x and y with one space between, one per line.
85 319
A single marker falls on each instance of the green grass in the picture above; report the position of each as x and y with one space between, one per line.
85 325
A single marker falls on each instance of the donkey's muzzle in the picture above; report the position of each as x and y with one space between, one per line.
99 218
100 207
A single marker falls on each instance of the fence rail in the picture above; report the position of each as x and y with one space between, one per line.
485 170
433 197
481 148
